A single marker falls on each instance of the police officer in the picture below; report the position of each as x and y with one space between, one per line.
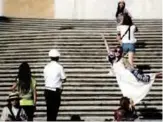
54 76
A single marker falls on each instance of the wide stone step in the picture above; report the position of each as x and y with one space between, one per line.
84 36
36 57
91 24
111 43
59 40
140 61
90 98
73 26
80 66
81 87
90 108
72 44
67 49
89 93
80 32
7 29
71 81
45 55
77 27
77 20
106 31
89 90
94 103
79 71
69 75
42 64
66 21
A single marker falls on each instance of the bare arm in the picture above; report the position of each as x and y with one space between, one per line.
106 44
35 95
13 88
136 29
34 84
64 80
63 76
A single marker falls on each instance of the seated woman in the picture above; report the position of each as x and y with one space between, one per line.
133 84
13 110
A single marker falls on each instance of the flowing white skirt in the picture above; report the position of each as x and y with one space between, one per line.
129 85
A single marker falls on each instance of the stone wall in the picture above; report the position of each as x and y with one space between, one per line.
106 9
29 8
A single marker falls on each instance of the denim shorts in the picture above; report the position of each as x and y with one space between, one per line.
128 47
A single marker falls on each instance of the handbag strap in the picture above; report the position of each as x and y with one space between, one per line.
18 114
12 114
126 33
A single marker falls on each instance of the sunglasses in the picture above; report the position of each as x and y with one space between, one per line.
117 51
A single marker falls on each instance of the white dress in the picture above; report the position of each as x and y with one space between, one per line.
129 85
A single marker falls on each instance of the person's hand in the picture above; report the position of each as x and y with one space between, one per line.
132 104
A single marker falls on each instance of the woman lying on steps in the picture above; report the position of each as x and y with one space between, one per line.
133 84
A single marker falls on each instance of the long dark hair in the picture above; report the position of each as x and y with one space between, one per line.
124 103
120 10
24 77
127 20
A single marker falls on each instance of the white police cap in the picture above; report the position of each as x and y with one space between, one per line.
54 53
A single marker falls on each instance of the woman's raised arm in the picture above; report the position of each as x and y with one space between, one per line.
106 44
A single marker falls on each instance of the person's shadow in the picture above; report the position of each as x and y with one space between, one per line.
76 118
4 19
149 113
140 44
143 67
66 27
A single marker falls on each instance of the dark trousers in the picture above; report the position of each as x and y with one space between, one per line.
53 99
29 110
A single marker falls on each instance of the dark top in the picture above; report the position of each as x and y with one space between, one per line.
125 115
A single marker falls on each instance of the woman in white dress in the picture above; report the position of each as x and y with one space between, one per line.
133 84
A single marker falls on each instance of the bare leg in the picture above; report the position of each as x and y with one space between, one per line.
131 58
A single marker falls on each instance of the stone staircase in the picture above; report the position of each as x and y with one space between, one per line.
89 91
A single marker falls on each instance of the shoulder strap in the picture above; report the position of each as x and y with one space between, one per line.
125 32
129 33
18 114
10 109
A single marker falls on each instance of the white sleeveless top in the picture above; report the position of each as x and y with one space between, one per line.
122 29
